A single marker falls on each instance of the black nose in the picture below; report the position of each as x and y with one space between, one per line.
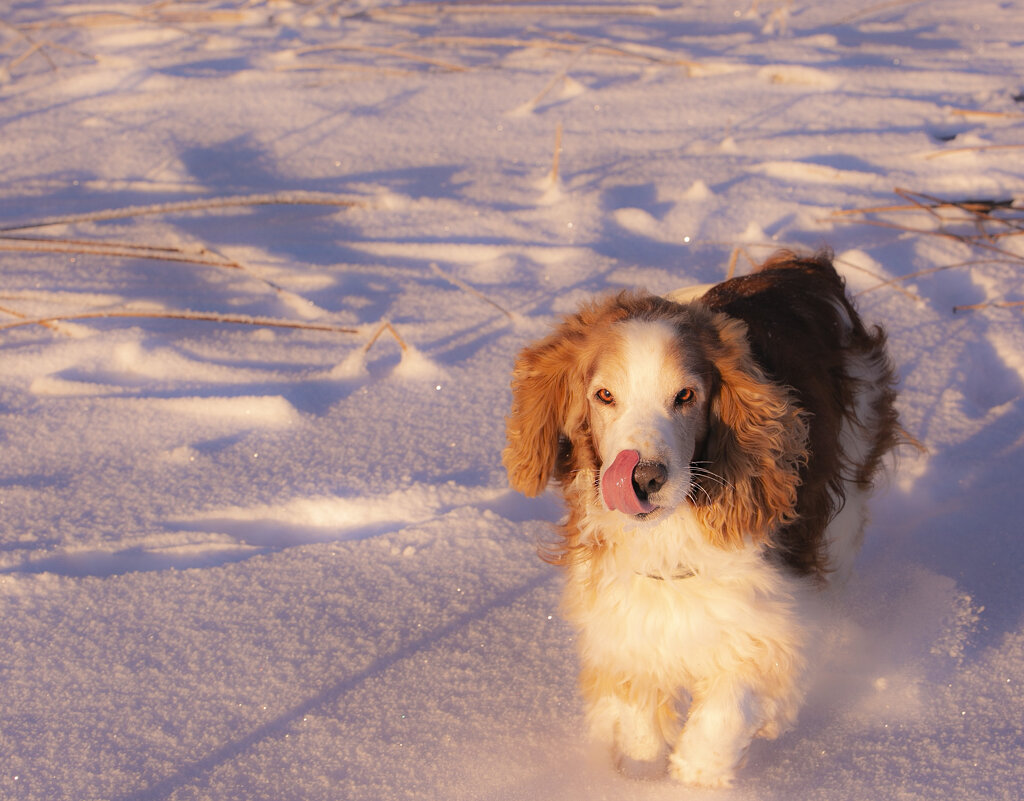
649 477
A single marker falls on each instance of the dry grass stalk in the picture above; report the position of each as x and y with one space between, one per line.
520 9
566 42
895 282
29 242
970 206
973 149
883 281
20 316
470 289
385 51
734 257
982 241
123 250
731 268
870 10
385 326
33 48
967 112
993 304
157 13
561 75
398 72
610 47
117 250
932 202
211 317
557 157
203 204
873 210
993 221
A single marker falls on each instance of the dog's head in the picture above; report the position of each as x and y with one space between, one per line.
663 405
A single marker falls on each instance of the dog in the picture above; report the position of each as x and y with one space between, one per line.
716 454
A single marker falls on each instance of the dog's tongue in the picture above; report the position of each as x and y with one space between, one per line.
617 485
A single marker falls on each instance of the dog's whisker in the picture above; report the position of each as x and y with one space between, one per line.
703 490
702 472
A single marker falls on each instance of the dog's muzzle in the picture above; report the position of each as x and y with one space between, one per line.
627 483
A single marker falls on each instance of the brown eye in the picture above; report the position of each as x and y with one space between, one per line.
605 396
685 397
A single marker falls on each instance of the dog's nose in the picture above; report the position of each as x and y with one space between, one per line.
649 477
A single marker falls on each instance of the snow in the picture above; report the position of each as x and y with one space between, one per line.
242 561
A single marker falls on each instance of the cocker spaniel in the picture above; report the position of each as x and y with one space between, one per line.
716 454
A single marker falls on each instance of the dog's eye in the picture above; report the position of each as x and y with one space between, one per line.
685 397
605 396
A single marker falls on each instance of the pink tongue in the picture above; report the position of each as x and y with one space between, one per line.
617 485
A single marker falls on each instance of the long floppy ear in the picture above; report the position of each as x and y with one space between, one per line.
547 403
757 442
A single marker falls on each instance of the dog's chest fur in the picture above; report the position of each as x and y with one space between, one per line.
660 600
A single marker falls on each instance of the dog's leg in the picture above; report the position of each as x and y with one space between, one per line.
629 719
638 746
714 742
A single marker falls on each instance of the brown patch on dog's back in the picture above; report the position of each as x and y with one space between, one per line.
802 330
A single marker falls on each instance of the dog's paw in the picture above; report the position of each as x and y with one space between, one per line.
644 769
701 774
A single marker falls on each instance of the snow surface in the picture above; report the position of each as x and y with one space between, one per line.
243 561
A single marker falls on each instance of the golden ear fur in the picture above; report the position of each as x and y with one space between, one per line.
547 404
548 385
757 442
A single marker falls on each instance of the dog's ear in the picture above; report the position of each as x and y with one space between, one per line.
548 403
756 444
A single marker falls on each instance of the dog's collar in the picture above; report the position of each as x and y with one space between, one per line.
680 573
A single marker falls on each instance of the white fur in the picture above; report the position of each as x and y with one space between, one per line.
643 418
666 617
732 636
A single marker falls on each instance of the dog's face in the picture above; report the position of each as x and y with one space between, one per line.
648 409
662 404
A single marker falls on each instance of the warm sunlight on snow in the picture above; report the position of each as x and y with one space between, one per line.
266 265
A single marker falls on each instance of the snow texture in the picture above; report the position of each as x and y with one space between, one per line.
246 561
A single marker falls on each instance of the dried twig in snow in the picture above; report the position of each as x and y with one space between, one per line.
528 9
974 149
80 247
993 304
202 204
467 288
734 258
557 157
385 326
25 317
561 75
211 317
385 51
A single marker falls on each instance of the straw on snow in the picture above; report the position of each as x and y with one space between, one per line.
117 249
211 317
992 304
127 250
981 212
506 9
202 204
563 42
457 282
384 51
